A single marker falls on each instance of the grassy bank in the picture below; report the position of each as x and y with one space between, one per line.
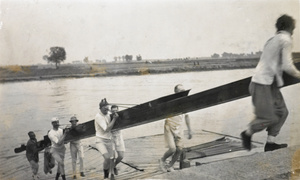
27 73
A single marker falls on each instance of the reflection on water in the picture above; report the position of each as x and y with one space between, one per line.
27 106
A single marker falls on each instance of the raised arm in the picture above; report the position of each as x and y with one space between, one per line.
112 122
102 124
56 140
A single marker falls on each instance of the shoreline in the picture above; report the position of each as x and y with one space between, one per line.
48 72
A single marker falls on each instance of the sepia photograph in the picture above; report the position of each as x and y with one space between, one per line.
149 89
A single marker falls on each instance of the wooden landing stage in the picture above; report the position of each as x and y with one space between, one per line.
141 154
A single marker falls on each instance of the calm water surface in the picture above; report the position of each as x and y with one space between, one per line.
29 106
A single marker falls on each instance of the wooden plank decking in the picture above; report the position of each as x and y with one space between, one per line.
142 153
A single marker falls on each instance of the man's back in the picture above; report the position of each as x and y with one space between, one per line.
269 65
31 151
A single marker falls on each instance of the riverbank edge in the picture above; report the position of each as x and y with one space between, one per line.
112 74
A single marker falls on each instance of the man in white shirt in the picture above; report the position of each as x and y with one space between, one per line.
173 133
270 109
57 137
103 126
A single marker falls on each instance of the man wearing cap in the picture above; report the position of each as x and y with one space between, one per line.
103 125
57 137
76 148
173 133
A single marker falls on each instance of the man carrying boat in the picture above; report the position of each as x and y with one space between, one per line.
173 133
270 108
118 141
76 149
32 154
103 126
57 137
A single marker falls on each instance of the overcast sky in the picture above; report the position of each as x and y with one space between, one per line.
102 29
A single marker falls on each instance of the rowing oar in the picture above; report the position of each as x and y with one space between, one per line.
130 165
229 136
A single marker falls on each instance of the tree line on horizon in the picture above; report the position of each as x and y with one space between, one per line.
58 54
233 55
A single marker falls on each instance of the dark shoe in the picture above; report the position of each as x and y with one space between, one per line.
57 176
82 174
274 146
246 140
115 171
106 173
63 177
74 177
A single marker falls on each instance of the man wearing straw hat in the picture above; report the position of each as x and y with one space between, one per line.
103 125
57 137
76 149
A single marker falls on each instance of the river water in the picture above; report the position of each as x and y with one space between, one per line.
29 106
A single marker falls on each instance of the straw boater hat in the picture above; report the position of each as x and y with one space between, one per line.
73 118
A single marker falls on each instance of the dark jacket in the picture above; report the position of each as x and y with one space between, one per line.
32 150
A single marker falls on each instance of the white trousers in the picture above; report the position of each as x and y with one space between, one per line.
76 149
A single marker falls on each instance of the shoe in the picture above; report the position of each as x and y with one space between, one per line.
74 177
115 171
63 177
106 173
82 174
57 176
274 146
35 177
246 140
170 169
162 165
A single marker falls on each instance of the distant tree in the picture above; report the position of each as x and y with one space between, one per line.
139 57
56 55
123 58
215 55
226 55
128 57
86 60
116 58
258 53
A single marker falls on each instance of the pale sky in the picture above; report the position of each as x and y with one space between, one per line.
155 29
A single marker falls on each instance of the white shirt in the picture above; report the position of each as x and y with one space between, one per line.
101 123
54 136
275 59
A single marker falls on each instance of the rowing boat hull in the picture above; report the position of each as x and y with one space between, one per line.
174 105
129 117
